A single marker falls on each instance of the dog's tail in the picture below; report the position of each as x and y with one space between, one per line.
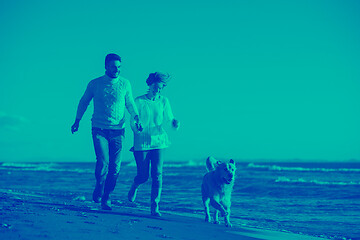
211 163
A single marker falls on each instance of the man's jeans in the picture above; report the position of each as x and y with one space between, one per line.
143 159
108 145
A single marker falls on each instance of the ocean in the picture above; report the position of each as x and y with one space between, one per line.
316 199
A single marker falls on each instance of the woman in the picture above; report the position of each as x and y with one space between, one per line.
154 112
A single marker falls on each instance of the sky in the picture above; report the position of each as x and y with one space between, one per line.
251 79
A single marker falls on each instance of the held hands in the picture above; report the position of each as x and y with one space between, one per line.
175 123
138 125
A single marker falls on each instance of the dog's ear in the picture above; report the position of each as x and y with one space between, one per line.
210 164
232 161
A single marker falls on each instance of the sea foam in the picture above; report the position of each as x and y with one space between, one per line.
300 169
44 167
301 180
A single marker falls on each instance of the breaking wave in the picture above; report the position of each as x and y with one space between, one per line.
301 180
300 169
45 167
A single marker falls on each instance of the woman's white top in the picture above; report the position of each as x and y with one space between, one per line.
153 114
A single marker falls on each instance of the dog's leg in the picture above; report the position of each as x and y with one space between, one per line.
206 202
227 216
215 203
216 217
227 219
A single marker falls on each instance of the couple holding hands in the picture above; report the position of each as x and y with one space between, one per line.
111 94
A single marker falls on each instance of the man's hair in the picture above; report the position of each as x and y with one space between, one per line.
158 77
112 57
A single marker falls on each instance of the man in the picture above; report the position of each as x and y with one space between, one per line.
111 93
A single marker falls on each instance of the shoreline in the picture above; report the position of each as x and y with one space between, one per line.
31 216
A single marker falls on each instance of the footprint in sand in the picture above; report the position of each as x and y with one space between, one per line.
89 222
156 228
82 214
134 220
163 236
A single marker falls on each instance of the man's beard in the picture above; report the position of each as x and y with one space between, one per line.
113 74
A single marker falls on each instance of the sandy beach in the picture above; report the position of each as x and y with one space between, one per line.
27 217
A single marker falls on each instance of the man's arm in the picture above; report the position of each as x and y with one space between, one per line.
82 106
131 107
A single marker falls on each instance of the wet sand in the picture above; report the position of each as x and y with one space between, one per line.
30 217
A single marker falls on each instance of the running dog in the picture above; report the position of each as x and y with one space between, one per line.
216 189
